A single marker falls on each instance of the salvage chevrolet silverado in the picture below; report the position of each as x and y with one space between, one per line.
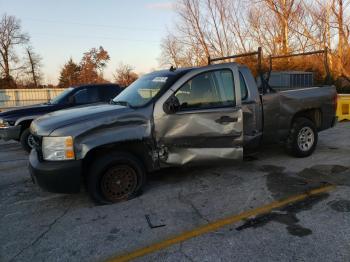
172 118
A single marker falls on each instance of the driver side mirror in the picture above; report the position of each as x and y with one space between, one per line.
172 105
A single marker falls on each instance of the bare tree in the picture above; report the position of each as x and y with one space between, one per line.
174 53
218 28
238 27
204 28
124 75
277 18
315 25
332 23
263 31
194 25
11 35
342 25
171 51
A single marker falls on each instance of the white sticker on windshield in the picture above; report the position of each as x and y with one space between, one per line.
160 79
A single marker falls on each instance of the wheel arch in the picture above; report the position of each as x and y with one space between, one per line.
25 123
314 115
141 150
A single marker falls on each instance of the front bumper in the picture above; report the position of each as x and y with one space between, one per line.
55 176
9 133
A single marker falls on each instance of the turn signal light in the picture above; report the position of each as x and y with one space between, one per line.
69 154
69 142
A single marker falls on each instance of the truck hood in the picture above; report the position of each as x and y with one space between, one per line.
82 116
32 109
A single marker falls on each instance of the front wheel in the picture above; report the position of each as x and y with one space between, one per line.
27 140
114 178
302 139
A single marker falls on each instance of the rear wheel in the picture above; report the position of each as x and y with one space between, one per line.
27 140
114 178
302 139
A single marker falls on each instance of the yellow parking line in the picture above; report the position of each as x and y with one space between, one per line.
218 224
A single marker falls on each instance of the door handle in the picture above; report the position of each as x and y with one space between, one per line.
226 119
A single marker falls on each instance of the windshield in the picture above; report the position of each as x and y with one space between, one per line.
62 96
143 90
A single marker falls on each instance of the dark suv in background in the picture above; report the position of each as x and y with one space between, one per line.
14 123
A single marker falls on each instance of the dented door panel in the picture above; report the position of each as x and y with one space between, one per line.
199 135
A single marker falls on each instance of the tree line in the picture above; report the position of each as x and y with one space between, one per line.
202 29
216 28
20 64
90 70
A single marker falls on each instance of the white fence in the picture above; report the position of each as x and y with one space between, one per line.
22 97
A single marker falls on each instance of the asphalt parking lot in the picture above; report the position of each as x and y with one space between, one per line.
40 226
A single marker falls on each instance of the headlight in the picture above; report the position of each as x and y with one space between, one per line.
3 123
58 148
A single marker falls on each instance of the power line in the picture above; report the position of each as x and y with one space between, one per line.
91 25
96 37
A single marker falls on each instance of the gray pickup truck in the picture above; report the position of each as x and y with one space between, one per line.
172 118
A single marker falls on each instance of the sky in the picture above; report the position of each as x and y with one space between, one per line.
130 30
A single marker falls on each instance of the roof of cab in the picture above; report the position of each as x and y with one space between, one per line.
93 85
174 72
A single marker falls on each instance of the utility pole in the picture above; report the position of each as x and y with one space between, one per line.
32 68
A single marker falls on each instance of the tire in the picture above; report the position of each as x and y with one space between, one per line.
302 139
115 177
25 140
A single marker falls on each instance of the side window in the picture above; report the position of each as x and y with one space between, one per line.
87 96
207 90
244 90
108 93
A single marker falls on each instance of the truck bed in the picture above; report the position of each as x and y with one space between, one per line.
282 107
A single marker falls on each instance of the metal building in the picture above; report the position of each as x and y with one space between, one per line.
291 79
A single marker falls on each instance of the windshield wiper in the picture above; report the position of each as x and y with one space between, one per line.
123 103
